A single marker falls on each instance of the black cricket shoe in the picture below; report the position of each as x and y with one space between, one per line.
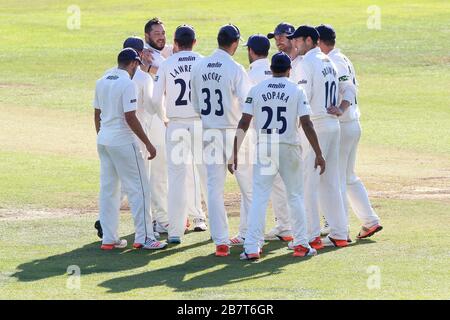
99 229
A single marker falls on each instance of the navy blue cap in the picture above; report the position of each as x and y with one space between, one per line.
258 42
184 31
326 32
282 28
281 60
128 54
305 31
230 31
134 42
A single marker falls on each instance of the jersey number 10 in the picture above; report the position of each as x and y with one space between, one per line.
330 94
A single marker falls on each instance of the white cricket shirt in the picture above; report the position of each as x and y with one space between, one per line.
219 88
347 84
318 76
144 87
172 90
115 94
276 105
259 71
159 55
294 76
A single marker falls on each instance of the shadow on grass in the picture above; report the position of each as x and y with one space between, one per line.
90 259
182 277
199 272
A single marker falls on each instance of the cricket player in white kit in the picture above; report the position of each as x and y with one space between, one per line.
219 88
155 38
277 104
173 89
318 77
284 44
145 108
258 50
351 186
117 126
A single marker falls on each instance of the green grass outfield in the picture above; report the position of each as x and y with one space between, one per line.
36 263
48 160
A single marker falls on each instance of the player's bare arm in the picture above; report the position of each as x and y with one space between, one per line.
339 111
243 126
97 120
136 127
311 135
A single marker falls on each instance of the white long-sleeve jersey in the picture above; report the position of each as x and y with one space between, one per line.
318 76
259 71
294 76
172 91
159 55
219 89
347 84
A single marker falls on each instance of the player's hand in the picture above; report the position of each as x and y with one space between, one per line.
334 111
320 162
147 57
151 150
232 164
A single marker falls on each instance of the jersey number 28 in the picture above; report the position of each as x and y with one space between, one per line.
180 100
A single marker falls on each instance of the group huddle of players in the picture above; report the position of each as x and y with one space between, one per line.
287 129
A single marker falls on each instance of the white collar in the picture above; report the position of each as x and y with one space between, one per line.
334 51
260 62
222 52
122 73
147 46
312 51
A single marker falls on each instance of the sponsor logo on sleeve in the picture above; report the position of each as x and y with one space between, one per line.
156 78
249 100
343 78
303 81
133 101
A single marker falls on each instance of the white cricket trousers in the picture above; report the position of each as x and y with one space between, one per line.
158 170
124 164
187 173
323 191
288 163
218 144
352 187
280 205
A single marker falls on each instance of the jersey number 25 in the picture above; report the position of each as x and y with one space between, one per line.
280 118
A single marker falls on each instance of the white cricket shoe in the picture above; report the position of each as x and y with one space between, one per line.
160 228
325 229
120 244
199 225
291 245
237 241
151 244
277 234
